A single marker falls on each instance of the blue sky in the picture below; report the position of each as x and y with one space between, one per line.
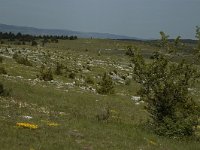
137 18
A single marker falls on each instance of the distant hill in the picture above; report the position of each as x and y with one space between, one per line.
38 31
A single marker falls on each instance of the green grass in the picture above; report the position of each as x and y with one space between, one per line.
75 109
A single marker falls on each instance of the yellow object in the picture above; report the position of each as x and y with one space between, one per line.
52 124
152 142
27 125
113 111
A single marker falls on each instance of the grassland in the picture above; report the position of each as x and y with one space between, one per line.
66 109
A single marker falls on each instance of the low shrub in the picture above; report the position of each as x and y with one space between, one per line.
106 85
103 114
58 70
46 74
1 59
3 91
2 70
72 75
89 80
22 60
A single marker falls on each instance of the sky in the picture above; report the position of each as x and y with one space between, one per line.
135 18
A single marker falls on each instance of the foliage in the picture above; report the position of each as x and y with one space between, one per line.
72 75
106 85
89 80
22 60
198 40
3 91
45 73
1 59
2 70
34 43
103 114
164 88
129 51
59 67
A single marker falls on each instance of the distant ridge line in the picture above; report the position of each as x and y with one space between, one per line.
39 31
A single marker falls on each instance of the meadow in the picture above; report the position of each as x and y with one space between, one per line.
68 112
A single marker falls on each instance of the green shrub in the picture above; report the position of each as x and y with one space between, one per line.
3 91
34 43
89 80
164 88
58 70
1 59
46 74
22 60
72 75
2 70
103 114
106 85
129 51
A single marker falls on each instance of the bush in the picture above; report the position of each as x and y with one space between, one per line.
58 70
103 114
34 43
3 91
1 59
89 80
22 60
129 51
106 85
2 70
46 74
164 88
72 75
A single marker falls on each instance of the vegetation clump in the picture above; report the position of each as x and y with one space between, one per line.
89 80
59 67
3 91
164 88
2 70
129 51
106 85
72 75
45 73
1 59
22 60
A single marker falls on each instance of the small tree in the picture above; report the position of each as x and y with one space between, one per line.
45 73
59 67
106 85
129 51
3 91
164 88
34 43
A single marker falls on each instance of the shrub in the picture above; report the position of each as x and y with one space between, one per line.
46 74
58 70
129 51
1 59
34 43
72 75
89 80
103 114
22 60
2 70
164 88
3 91
106 85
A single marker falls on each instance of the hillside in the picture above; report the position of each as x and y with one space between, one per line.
37 31
68 112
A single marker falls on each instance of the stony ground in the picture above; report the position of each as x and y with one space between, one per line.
68 113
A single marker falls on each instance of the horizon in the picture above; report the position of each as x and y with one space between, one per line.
139 18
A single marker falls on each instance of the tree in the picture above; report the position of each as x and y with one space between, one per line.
34 43
106 85
164 88
129 51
